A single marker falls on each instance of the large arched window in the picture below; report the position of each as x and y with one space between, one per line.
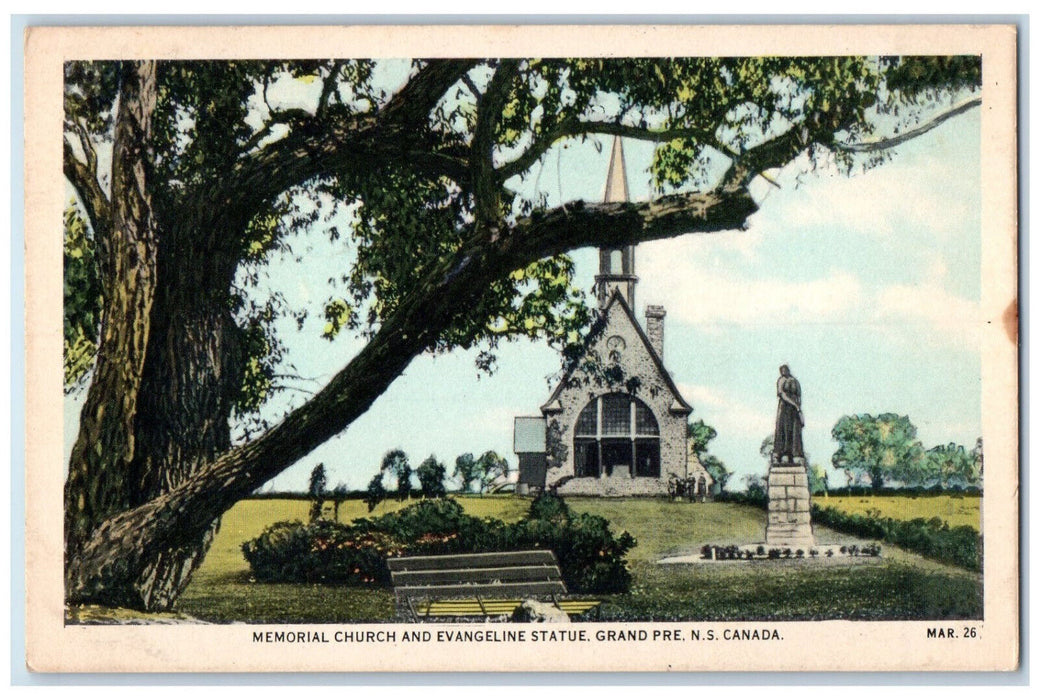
617 435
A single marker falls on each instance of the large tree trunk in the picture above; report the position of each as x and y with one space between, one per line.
97 487
187 387
168 366
191 375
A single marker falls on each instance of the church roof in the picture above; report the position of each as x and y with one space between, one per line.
678 406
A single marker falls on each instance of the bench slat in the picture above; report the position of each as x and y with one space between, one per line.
471 607
429 577
472 561
489 590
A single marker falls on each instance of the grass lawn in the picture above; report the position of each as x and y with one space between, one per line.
955 510
901 585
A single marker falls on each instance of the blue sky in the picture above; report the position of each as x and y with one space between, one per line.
867 286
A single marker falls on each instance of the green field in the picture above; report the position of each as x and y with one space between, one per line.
901 585
953 509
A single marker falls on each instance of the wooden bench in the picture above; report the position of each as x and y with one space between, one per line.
478 585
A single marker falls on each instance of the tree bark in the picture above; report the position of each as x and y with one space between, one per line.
96 488
168 364
191 373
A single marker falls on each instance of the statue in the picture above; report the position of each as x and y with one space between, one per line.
789 519
787 440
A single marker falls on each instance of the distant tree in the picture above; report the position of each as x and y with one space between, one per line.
818 479
466 471
431 475
491 468
698 435
883 447
977 460
316 490
339 494
766 448
376 492
850 479
715 466
755 486
951 464
395 462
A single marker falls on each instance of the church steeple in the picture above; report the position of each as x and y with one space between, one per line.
617 266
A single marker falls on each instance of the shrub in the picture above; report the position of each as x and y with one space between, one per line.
322 551
756 497
548 506
591 557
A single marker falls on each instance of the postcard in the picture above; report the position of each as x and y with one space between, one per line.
521 348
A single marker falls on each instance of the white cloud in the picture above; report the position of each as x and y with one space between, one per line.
699 288
714 295
727 414
950 318
907 196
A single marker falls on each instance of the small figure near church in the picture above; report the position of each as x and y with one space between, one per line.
787 440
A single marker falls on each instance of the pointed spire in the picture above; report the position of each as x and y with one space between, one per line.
617 181
617 266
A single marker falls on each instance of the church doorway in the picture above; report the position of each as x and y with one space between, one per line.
617 435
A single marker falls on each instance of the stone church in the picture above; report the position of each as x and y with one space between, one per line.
615 425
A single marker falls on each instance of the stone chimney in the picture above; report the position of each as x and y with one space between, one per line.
655 328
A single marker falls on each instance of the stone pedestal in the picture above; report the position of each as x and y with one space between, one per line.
788 524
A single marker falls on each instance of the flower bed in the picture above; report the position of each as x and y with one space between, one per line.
734 552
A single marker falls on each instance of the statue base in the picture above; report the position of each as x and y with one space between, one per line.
788 523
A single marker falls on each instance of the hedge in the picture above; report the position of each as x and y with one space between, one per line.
933 538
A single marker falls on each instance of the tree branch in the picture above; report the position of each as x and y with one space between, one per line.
87 145
894 141
339 140
84 181
468 82
328 86
413 103
486 190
